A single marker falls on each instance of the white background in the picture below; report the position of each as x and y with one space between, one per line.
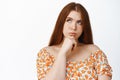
26 26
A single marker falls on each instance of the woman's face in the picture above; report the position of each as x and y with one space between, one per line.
73 25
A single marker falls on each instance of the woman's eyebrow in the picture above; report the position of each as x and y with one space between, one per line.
69 18
72 18
79 20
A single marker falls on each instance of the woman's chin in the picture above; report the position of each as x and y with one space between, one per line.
72 37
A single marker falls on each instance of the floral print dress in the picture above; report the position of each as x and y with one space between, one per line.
88 69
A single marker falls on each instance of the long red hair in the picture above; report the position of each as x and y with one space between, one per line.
57 35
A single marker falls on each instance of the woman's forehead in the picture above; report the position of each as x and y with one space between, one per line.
74 15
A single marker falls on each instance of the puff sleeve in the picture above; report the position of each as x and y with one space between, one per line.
101 64
43 64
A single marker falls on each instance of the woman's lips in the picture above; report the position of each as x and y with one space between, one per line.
72 33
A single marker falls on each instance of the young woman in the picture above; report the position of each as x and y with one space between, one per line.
71 54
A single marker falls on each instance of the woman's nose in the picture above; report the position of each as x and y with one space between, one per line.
73 26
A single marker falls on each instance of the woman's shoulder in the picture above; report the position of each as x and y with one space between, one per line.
52 50
48 48
92 48
47 51
96 51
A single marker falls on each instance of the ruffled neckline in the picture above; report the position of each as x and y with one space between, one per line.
83 61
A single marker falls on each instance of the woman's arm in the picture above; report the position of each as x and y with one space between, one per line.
58 70
102 67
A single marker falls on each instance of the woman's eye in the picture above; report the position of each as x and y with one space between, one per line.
79 22
69 20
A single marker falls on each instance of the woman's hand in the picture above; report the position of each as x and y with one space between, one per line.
69 44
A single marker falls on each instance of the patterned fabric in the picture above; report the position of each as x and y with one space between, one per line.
87 69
